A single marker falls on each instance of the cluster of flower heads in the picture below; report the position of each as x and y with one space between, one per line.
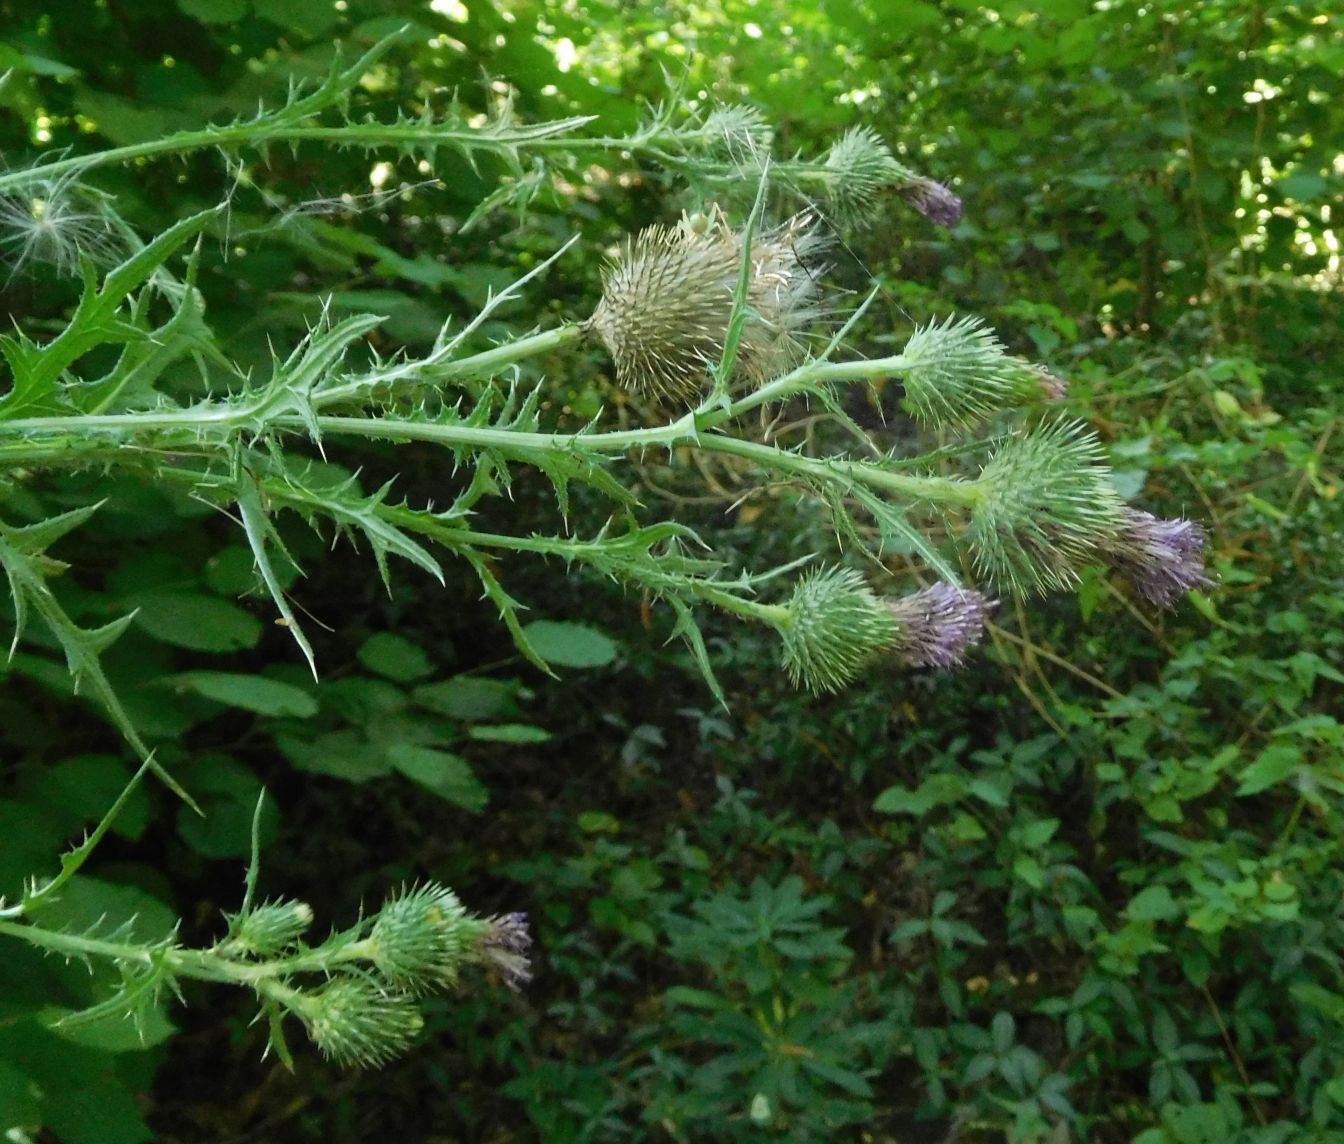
368 1012
834 627
1042 508
668 301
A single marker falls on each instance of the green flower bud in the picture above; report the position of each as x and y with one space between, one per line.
834 629
860 170
357 1023
738 131
267 930
1049 509
420 938
957 374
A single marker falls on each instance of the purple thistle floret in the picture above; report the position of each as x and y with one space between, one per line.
936 625
505 944
934 201
1163 558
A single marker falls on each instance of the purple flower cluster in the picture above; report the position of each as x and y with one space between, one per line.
936 625
933 200
505 944
1163 558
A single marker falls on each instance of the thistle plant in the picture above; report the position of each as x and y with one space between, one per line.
713 316
357 993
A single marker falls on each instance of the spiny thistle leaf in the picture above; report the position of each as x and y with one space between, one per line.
260 532
37 369
27 568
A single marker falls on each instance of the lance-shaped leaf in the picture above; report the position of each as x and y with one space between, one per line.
27 568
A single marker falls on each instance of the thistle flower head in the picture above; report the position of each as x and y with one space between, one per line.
1052 387
835 628
270 928
668 300
936 625
355 1022
503 943
420 939
1048 507
957 374
1163 558
58 222
859 169
933 200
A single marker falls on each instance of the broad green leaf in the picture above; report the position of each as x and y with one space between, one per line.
1153 904
442 773
20 1094
395 657
250 692
935 791
228 792
341 754
32 846
89 903
570 645
79 791
199 622
112 1032
1274 764
469 697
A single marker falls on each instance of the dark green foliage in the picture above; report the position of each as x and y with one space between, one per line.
1086 890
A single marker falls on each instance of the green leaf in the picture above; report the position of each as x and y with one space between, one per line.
570 645
468 697
395 657
509 733
935 791
1304 186
341 754
1153 904
11 59
111 1032
442 773
1274 764
199 622
19 1093
217 11
79 790
229 795
38 369
249 692
88 904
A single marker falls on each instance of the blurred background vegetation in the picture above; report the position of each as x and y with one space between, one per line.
1088 889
